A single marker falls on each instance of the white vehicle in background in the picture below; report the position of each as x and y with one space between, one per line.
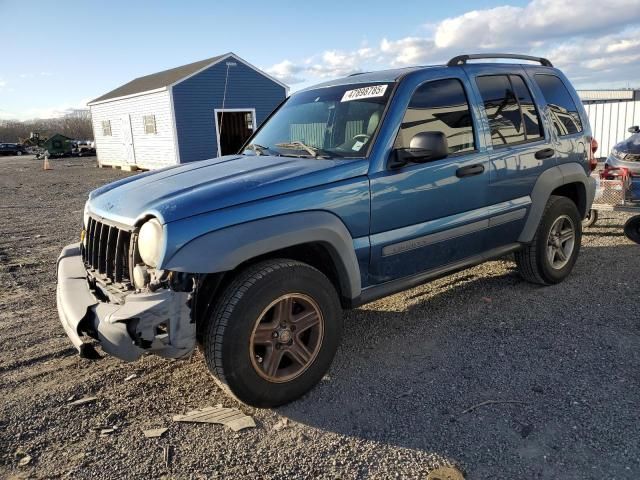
84 148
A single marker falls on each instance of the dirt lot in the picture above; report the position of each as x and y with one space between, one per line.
393 403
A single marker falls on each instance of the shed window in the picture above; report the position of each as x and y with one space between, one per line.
149 124
106 128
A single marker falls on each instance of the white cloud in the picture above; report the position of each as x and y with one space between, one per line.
585 38
53 111
624 45
407 51
508 26
286 71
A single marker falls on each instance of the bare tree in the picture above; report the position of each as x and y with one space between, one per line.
75 124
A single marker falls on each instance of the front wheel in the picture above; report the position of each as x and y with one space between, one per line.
632 229
273 332
550 257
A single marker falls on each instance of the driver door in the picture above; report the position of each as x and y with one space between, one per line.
427 215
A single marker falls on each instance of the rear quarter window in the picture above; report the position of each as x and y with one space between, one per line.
564 112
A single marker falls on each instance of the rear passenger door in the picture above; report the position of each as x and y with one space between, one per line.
519 150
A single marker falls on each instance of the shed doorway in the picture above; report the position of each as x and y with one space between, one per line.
233 127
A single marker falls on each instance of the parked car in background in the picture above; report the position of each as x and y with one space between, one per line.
626 154
83 149
12 149
352 190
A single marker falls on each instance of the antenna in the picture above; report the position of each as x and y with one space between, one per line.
224 98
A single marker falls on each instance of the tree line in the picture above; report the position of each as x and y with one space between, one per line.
75 124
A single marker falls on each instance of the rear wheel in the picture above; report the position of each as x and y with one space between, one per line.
632 229
550 257
273 333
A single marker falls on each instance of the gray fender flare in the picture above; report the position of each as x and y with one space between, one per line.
225 249
547 182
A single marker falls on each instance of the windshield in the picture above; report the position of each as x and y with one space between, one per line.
329 122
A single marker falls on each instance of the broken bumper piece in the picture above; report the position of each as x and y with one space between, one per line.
154 322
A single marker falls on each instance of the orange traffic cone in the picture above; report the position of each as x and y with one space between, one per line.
46 165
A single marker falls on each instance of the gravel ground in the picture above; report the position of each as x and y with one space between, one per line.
393 403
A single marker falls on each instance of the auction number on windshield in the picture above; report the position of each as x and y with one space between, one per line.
364 92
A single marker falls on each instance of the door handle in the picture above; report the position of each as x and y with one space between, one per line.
470 170
545 153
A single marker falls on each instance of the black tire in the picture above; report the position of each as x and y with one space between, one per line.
231 323
532 260
632 229
591 219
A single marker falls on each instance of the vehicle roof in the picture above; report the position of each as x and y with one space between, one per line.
390 75
394 74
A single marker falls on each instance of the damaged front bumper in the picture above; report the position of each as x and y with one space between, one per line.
147 322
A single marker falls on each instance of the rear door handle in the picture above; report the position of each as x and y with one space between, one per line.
470 170
545 153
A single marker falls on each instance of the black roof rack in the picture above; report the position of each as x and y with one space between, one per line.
462 59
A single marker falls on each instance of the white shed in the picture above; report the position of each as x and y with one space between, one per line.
611 113
176 116
135 131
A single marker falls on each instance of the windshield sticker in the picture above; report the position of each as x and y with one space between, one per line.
364 92
357 146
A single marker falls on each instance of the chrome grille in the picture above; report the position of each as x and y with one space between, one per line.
107 252
632 157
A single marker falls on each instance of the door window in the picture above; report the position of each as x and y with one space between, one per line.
439 106
512 114
530 117
564 112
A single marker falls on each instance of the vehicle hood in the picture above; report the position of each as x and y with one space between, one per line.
199 187
630 145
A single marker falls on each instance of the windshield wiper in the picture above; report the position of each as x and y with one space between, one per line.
259 149
297 145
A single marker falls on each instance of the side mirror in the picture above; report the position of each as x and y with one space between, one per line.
423 147
634 129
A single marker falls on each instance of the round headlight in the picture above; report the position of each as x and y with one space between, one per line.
85 215
150 242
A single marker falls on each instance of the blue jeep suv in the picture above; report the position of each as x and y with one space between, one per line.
352 190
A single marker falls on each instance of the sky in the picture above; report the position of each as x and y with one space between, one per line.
59 55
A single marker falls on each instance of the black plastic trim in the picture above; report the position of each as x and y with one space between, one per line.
462 59
394 286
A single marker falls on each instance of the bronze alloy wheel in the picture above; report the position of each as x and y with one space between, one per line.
286 338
